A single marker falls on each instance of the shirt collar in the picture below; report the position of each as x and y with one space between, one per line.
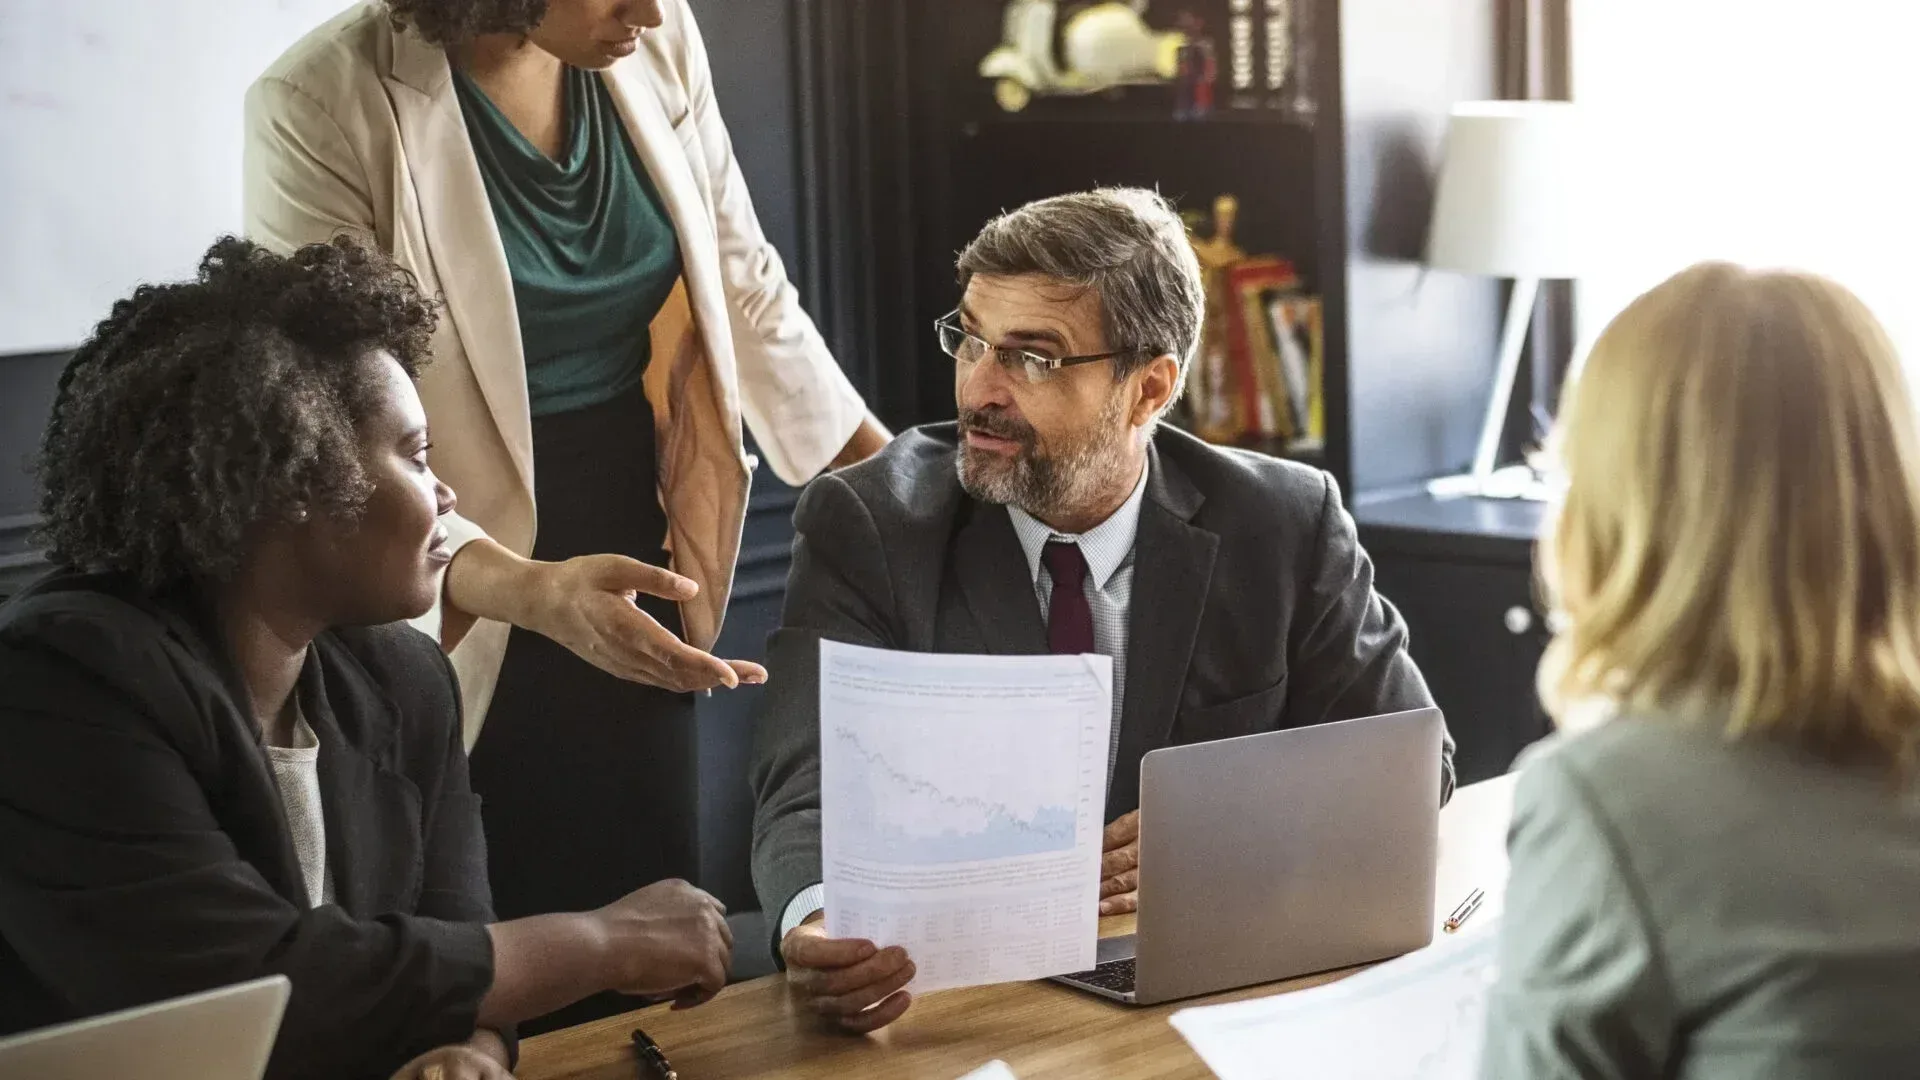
1106 546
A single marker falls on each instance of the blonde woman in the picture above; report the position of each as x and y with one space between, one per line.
1721 877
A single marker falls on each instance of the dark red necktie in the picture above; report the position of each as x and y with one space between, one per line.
1069 618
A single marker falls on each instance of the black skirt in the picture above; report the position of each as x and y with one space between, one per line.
587 782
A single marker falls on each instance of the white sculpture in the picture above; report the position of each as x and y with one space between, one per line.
1105 46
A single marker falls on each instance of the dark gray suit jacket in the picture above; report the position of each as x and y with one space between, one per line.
1253 610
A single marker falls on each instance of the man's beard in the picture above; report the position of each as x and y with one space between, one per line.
1049 484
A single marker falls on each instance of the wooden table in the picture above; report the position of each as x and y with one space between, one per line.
1042 1030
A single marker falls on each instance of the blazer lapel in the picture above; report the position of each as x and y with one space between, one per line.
189 617
666 160
992 571
1172 567
469 260
637 98
372 814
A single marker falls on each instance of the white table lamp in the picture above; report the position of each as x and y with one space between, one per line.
1510 203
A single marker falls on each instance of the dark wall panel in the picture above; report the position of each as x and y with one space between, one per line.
750 44
1421 343
26 394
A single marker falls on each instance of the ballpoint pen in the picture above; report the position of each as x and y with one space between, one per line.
653 1062
1467 907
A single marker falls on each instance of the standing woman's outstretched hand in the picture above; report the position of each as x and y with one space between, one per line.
587 604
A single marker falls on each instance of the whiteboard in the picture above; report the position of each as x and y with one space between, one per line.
120 137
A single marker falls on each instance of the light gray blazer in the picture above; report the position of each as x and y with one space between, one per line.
1684 907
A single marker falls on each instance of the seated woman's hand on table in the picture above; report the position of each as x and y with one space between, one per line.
847 981
669 939
483 1057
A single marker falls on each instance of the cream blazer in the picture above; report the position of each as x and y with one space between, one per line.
357 127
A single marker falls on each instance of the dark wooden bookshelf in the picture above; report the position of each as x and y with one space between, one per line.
905 154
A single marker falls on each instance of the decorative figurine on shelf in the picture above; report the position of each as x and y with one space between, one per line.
1212 397
1218 252
1199 71
1106 45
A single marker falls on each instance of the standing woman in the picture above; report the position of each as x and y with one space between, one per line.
558 172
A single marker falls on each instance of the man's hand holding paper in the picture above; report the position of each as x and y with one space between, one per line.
848 982
1120 865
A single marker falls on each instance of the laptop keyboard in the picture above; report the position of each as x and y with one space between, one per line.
1114 975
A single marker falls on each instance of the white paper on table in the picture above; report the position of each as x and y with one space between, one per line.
1423 1015
961 801
992 1070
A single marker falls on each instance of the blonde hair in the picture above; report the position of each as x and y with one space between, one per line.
1740 535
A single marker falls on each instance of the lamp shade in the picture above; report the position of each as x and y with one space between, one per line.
1511 201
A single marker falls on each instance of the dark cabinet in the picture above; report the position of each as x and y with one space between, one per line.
1461 573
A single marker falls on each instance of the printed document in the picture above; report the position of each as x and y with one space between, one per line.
1423 1015
962 800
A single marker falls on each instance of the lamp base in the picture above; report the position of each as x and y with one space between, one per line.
1512 482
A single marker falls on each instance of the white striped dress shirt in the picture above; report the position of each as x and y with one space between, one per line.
1108 549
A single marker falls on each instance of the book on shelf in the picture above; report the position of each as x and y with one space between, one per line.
1257 378
1295 327
1255 368
1248 379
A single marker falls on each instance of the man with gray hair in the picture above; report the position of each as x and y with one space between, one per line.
1057 515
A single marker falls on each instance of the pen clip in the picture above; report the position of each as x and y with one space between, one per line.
652 1057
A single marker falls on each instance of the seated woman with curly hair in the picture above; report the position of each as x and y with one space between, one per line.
223 758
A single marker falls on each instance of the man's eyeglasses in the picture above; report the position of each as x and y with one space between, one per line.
1024 366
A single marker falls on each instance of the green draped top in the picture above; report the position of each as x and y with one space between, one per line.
590 247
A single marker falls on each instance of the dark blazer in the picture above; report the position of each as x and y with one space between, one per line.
1253 609
145 853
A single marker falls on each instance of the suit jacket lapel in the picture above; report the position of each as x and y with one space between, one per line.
992 571
462 239
1172 567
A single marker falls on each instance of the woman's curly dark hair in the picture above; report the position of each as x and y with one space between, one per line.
449 22
200 408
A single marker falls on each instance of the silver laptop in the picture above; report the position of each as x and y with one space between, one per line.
223 1034
1275 855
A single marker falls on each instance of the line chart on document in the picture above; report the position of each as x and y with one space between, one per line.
907 803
